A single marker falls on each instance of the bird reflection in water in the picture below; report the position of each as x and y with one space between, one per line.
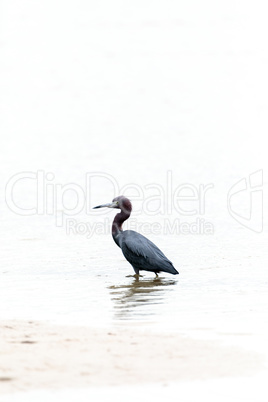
140 298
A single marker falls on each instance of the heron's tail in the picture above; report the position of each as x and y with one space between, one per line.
174 271
169 268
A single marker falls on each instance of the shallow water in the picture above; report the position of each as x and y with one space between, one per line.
74 286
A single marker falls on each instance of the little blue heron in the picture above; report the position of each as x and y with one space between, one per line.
139 251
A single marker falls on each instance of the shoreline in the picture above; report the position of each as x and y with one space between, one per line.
37 355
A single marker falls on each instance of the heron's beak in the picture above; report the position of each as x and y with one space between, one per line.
109 205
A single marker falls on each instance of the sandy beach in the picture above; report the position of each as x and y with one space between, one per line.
37 355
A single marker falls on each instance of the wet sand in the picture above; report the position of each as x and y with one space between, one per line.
37 355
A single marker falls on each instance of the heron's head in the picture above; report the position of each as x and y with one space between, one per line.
119 202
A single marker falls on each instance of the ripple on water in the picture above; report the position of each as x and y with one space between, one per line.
131 300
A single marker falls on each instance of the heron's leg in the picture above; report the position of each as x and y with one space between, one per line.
137 271
136 275
156 274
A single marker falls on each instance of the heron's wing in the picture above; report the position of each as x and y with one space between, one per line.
144 254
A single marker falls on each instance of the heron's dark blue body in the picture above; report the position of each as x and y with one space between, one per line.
142 254
139 251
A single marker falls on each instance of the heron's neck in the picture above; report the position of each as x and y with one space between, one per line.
118 222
